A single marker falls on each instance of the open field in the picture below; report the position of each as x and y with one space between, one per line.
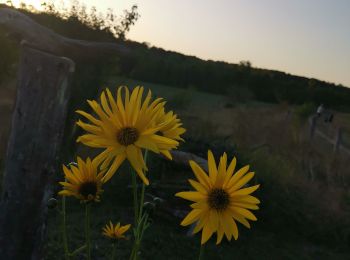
269 137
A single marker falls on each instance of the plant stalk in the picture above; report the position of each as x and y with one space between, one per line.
140 217
134 188
201 252
78 250
64 229
87 230
113 250
143 190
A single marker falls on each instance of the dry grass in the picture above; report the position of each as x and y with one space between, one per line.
275 142
278 131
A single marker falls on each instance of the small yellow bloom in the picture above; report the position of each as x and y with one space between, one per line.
82 181
220 199
115 232
126 125
172 129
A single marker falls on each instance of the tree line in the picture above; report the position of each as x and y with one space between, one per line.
157 65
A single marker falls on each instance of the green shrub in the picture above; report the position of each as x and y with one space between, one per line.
305 110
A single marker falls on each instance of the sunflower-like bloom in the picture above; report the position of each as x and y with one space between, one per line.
219 199
124 128
172 129
115 231
83 181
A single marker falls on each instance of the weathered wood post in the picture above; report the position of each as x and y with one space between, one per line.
338 138
313 125
310 161
37 128
33 152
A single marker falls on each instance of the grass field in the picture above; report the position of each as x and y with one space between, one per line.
299 218
165 239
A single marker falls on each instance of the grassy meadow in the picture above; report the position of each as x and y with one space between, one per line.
301 216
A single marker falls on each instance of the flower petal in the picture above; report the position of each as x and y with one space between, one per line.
244 180
244 212
206 233
237 176
213 172
245 191
193 216
190 195
146 143
114 167
198 186
200 175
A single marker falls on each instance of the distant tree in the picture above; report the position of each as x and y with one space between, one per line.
147 44
129 19
49 7
93 20
245 63
22 5
83 15
111 23
9 3
73 12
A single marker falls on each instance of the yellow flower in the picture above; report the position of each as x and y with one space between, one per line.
115 232
219 199
82 181
172 129
123 129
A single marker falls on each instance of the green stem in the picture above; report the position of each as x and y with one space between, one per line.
113 250
64 229
134 188
87 230
142 198
140 218
78 250
201 253
142 190
136 214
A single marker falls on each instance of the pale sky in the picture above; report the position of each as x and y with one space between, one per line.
303 37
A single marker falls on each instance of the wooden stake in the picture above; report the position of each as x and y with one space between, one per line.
31 165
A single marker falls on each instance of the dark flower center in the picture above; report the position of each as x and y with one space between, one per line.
159 133
88 188
218 199
127 136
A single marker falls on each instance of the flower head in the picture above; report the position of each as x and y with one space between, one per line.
115 231
220 199
171 129
83 181
124 126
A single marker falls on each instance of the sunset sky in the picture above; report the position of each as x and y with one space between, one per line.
308 38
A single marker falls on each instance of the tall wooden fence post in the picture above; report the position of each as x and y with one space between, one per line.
33 152
313 122
337 141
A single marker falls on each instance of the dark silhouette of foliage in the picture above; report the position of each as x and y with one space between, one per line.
157 65
171 68
110 22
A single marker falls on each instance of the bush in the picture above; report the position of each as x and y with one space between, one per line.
305 110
